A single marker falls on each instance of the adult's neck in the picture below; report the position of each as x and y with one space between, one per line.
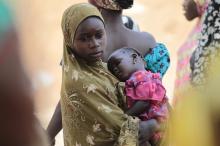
113 19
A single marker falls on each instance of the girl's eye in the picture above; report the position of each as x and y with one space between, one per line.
98 35
83 39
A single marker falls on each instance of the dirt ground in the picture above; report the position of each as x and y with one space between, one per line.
38 22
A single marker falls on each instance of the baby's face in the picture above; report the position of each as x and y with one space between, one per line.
122 65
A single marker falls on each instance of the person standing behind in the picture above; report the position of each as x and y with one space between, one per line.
208 50
203 98
155 54
118 35
193 10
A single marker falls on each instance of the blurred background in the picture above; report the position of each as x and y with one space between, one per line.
38 25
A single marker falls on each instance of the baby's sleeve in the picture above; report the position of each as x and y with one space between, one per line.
146 90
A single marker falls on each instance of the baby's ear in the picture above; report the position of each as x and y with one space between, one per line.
134 57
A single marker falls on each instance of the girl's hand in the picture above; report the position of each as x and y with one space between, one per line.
52 142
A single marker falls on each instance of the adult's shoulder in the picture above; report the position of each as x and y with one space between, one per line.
149 38
142 41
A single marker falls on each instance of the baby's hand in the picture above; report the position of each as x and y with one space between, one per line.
147 129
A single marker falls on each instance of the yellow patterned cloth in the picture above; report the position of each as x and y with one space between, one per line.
90 112
195 120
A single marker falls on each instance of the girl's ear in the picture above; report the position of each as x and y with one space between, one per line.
135 58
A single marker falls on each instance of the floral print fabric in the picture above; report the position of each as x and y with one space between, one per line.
209 44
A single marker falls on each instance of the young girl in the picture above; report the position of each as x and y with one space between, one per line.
157 58
90 112
146 96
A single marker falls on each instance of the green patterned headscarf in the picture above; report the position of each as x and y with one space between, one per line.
90 112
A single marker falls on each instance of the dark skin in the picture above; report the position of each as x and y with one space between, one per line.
90 39
55 127
118 36
138 108
88 43
190 9
123 64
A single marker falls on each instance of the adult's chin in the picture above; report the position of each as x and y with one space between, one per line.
92 60
190 17
92 2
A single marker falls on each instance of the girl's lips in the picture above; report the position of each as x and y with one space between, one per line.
97 54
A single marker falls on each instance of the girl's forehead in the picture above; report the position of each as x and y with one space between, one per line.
90 23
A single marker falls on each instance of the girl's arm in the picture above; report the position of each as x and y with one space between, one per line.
55 125
138 108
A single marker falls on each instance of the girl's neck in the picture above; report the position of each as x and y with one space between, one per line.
113 19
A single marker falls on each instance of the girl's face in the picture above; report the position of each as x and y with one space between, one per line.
190 9
90 39
123 65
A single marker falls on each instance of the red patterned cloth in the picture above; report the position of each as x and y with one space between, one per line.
147 86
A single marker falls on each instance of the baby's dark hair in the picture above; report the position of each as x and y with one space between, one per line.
125 4
124 50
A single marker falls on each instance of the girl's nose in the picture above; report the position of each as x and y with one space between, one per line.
94 43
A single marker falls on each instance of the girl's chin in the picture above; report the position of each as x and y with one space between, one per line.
91 60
